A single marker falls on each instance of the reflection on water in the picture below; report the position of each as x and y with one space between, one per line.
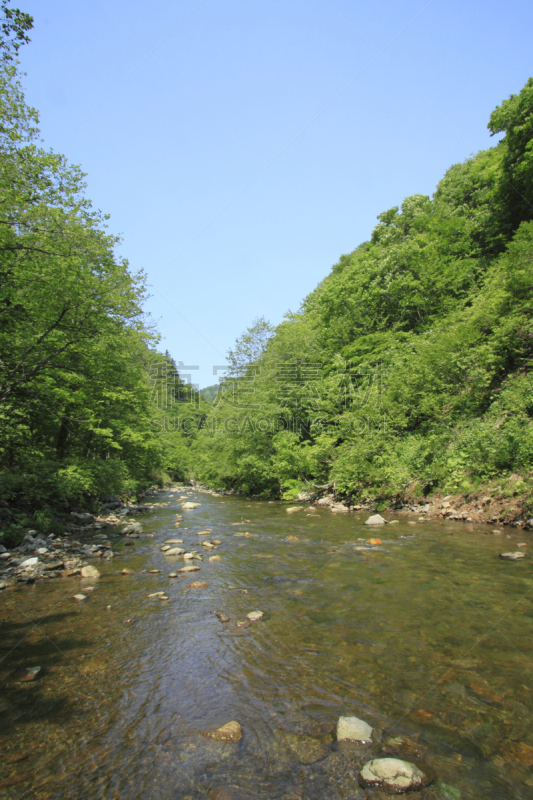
427 636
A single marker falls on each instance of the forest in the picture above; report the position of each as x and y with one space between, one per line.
407 371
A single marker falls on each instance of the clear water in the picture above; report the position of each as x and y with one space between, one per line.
428 637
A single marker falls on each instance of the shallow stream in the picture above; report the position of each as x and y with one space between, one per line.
427 636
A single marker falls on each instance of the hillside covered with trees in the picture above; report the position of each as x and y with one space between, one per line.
408 369
87 403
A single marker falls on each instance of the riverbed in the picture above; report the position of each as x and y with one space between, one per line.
427 636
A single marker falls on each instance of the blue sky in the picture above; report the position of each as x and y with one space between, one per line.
241 147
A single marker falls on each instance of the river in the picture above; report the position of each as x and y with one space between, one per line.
427 636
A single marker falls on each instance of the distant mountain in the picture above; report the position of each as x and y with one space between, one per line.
210 392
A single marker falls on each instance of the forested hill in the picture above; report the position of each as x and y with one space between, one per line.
88 406
408 369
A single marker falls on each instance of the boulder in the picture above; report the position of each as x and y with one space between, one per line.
90 572
394 775
353 729
132 527
377 519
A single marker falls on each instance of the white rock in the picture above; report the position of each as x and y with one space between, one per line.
516 556
393 774
79 597
377 519
89 572
292 509
353 729
175 551
255 615
187 506
30 562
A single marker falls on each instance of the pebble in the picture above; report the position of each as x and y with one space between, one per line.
189 505
374 541
191 568
163 597
154 571
79 598
376 519
222 617
215 558
516 556
254 616
353 729
522 544
165 548
230 732
292 509
393 774
173 575
126 571
173 541
156 594
175 551
198 585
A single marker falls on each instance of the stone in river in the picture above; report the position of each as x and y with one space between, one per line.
187 506
255 615
163 597
374 541
516 556
198 585
191 568
90 572
353 729
376 519
292 509
79 598
154 571
208 545
217 541
394 775
215 558
188 556
293 538
230 732
132 527
222 617
28 674
173 575
204 533
175 551
156 594
57 565
173 541
165 547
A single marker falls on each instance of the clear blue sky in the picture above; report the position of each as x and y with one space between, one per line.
240 147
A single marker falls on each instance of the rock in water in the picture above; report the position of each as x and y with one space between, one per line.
353 729
255 615
89 572
126 571
79 598
132 527
175 551
230 732
29 674
374 541
377 519
292 509
393 775
187 506
192 568
516 556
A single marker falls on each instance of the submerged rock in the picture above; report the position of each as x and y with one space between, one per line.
394 775
353 729
377 519
230 732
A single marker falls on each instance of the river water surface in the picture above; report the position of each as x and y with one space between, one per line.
428 637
